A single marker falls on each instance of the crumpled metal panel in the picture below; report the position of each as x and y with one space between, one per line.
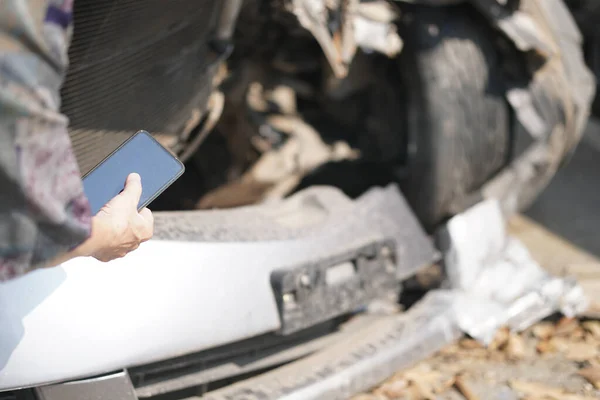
495 280
339 48
547 28
553 107
518 25
561 92
369 25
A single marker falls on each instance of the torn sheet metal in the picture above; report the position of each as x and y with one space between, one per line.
339 47
367 25
375 30
520 27
522 102
495 280
553 107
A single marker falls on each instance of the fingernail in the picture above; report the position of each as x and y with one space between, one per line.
135 176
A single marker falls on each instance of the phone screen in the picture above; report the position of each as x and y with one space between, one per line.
141 154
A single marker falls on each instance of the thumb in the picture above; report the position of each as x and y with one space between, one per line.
133 189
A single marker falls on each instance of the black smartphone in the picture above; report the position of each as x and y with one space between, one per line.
141 153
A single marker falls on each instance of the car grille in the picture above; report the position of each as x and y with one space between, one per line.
194 374
135 64
26 394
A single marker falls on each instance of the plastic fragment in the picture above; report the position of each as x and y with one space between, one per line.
494 279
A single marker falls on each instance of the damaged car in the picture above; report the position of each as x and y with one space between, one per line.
325 143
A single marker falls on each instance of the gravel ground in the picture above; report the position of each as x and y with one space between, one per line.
550 361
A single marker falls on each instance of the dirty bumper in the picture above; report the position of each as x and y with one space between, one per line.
208 279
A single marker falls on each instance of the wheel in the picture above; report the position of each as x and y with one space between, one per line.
457 121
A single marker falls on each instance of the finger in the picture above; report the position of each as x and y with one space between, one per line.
148 218
147 214
133 189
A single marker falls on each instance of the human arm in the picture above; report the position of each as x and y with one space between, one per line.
44 214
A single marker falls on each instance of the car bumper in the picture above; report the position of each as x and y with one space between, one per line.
200 284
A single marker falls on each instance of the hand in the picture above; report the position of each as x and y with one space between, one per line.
118 228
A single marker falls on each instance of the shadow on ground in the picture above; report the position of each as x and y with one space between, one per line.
570 206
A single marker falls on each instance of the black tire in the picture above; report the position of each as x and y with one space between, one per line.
457 119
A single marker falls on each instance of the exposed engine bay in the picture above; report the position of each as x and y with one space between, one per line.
263 98
282 106
287 102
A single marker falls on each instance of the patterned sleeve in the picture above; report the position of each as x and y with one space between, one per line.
43 210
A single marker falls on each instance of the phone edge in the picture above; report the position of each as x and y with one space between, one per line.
171 181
